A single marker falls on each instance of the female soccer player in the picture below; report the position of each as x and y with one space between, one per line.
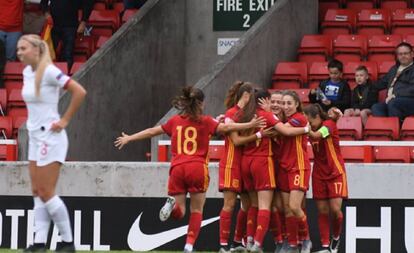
294 175
258 171
329 182
190 133
48 142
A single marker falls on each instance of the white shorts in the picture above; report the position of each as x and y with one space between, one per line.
46 146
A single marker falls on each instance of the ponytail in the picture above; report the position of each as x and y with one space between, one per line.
190 102
231 97
313 110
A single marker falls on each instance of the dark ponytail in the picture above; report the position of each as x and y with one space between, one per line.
250 109
314 110
190 102
236 92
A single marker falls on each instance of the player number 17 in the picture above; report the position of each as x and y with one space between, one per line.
338 187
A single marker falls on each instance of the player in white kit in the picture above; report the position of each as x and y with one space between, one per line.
48 142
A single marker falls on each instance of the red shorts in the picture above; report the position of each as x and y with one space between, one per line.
330 189
293 180
188 177
258 173
230 179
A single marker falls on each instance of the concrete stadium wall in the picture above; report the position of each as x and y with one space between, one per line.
140 179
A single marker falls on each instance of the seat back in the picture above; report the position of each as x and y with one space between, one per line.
382 128
350 47
350 128
373 22
339 21
392 154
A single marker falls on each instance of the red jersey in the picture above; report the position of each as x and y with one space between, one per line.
294 155
328 161
263 146
232 154
11 15
189 139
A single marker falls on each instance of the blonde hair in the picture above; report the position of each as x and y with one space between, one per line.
44 57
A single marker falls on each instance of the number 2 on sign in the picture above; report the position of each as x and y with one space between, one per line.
246 18
338 187
190 136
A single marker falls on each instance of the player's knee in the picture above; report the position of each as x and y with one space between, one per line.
295 208
336 212
229 205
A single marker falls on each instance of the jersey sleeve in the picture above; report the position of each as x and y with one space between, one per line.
271 119
168 126
298 120
54 76
211 124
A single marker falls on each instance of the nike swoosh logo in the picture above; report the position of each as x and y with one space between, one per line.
138 241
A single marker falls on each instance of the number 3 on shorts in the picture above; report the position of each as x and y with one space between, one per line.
296 181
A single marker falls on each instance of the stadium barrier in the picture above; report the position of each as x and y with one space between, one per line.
115 205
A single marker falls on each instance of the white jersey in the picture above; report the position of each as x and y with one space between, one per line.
43 110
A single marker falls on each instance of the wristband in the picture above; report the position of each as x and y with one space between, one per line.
306 129
259 135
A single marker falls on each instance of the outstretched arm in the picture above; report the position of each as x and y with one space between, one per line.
229 127
287 130
144 134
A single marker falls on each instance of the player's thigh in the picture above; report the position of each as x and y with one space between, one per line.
197 201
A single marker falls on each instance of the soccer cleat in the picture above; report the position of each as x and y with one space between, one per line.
67 247
224 249
334 246
237 247
306 246
166 210
291 249
256 248
36 247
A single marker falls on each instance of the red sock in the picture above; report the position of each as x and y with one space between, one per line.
194 227
303 231
275 227
251 222
283 222
323 223
176 213
337 226
225 223
263 218
292 230
240 226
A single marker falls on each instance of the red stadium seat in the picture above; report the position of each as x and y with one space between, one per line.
350 128
409 38
353 154
101 41
128 14
373 22
104 22
407 129
85 46
315 48
17 112
392 154
119 7
75 67
318 71
394 4
6 127
99 6
215 153
15 99
350 47
339 21
13 71
384 67
3 152
382 128
412 154
325 5
3 101
62 66
18 121
382 47
382 95
358 5
290 75
402 21
350 67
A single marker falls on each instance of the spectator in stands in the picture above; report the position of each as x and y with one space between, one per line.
399 82
2 63
11 25
333 92
65 23
133 4
364 95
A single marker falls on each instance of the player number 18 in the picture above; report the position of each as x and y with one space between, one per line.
190 136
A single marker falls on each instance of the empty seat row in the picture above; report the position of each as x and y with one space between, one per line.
13 70
369 22
296 75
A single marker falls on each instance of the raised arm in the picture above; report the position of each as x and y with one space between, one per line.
144 134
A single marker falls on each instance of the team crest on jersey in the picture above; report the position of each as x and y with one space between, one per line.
59 76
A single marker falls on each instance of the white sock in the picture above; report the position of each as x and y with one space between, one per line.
42 221
59 214
188 247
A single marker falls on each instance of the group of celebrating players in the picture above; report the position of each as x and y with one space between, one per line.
265 162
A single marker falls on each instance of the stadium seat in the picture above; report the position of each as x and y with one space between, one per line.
353 154
318 71
13 71
412 154
3 101
101 41
382 128
391 154
85 46
128 14
350 128
350 48
215 153
394 4
62 66
17 121
3 152
325 5
104 22
75 67
384 67
99 6
402 21
119 6
373 22
358 5
382 47
290 75
15 99
6 127
407 129
315 48
339 21
382 95
409 38
350 67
